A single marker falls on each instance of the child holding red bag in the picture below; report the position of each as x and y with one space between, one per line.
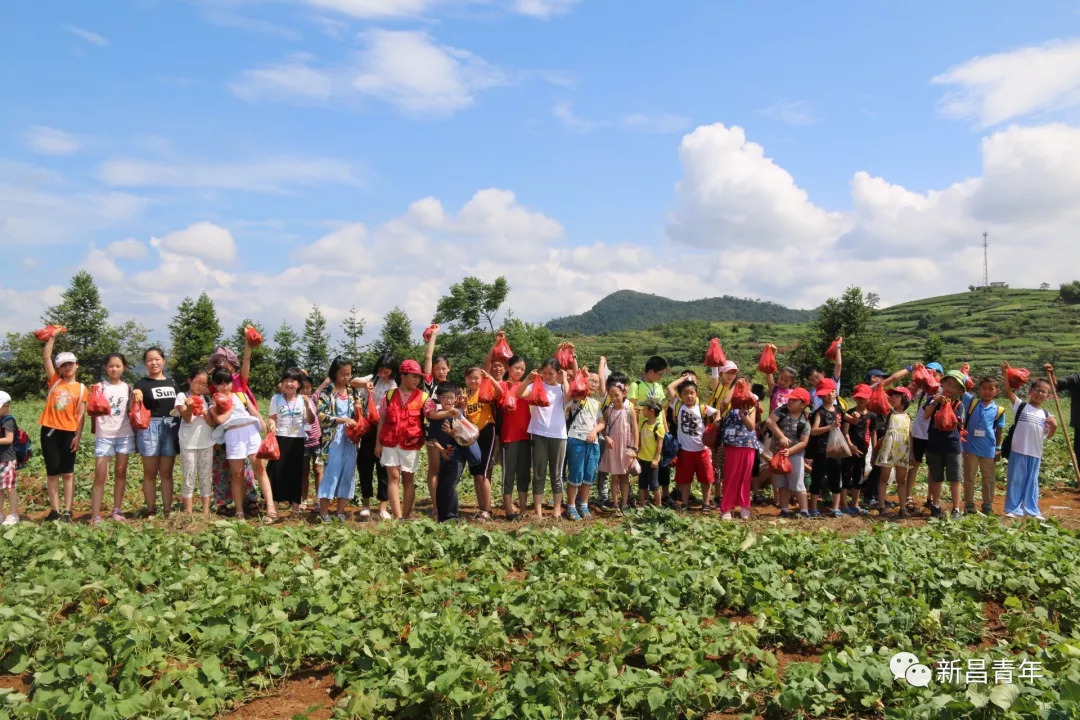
894 452
1032 427
944 452
791 433
337 407
621 436
158 443
400 437
584 424
691 416
288 414
61 427
738 433
514 439
482 414
239 429
436 372
114 438
547 426
196 442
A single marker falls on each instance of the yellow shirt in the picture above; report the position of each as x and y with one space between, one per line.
480 414
650 439
62 405
721 395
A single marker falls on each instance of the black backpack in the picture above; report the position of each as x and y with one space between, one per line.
1006 445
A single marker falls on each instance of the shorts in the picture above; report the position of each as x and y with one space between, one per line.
242 442
945 467
795 481
918 449
108 447
826 473
694 463
486 442
311 451
649 479
8 473
407 460
56 451
161 439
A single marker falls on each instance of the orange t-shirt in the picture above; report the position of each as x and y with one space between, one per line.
480 414
62 404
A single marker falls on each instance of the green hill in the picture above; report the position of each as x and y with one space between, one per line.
630 310
1024 327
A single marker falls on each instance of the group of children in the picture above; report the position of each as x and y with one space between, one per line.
554 426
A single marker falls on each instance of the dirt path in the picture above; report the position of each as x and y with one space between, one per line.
311 695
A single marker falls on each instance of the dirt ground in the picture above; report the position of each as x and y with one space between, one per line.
310 694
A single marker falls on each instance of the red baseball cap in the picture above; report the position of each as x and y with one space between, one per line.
901 391
825 386
800 394
410 367
861 391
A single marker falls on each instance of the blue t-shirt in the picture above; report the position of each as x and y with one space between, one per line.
947 443
981 426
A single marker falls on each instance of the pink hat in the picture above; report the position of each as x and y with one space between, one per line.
900 391
410 367
728 367
825 386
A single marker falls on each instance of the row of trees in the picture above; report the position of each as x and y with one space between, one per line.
469 314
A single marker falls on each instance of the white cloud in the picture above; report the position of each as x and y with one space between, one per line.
271 176
420 77
292 79
87 35
732 195
996 88
20 309
50 141
373 9
127 249
564 113
791 112
101 265
203 240
543 8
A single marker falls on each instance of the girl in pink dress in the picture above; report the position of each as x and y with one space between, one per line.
621 430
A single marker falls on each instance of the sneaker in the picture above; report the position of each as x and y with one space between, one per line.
572 513
969 509
849 511
988 509
117 515
1040 518
365 514
935 511
838 514
804 514
95 521
325 519
1012 516
815 514
784 514
583 511
903 513
12 519
53 516
342 517
384 515
726 516
65 516
956 514
669 502
873 505
859 511
744 514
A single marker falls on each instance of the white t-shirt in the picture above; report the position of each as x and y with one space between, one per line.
116 423
550 421
1030 433
290 416
587 415
691 427
920 426
194 435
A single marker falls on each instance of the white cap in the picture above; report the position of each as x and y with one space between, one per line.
64 358
4 398
728 367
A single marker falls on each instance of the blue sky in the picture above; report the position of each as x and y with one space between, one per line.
279 153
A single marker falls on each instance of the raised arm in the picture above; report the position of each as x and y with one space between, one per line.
429 352
895 377
1009 392
838 367
525 386
672 388
245 364
46 357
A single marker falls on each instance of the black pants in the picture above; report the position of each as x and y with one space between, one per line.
367 465
446 497
825 470
853 472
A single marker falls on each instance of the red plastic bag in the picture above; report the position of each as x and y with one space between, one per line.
834 348
780 464
486 393
49 331
945 418
222 403
968 382
372 413
1016 377
767 363
509 399
269 449
357 432
565 356
741 397
502 350
879 400
579 386
98 404
139 416
430 329
198 407
714 356
538 394
254 337
710 434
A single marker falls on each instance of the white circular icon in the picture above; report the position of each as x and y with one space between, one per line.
918 675
900 663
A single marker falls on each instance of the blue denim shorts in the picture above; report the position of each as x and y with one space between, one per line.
161 439
108 447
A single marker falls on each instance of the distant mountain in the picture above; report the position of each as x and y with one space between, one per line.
630 310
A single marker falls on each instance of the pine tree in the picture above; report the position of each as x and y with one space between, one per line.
353 328
286 354
263 378
316 344
395 341
195 333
